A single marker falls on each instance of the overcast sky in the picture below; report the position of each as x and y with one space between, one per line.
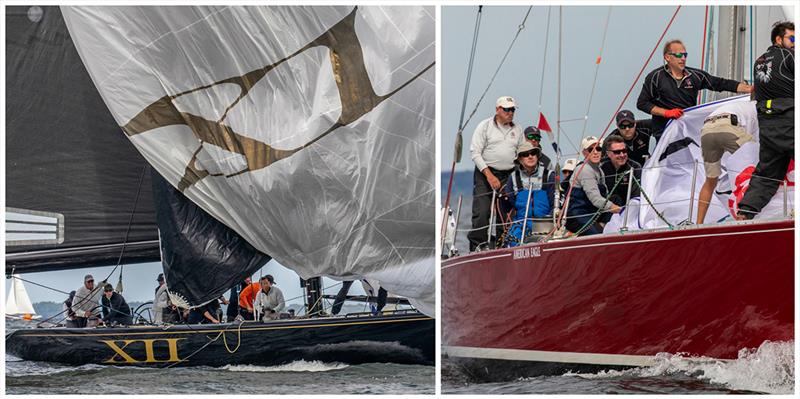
632 34
139 282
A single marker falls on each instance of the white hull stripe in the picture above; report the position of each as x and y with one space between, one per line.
546 356
668 239
477 259
604 244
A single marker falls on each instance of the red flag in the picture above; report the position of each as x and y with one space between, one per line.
543 125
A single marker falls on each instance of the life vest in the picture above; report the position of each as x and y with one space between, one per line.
579 203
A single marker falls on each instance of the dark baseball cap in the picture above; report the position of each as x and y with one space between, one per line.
532 131
625 115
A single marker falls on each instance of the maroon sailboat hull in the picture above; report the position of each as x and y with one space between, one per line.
616 301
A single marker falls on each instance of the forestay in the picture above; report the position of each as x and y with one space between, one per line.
307 130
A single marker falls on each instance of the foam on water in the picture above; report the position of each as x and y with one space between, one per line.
293 367
768 369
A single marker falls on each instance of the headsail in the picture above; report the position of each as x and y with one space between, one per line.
71 176
307 130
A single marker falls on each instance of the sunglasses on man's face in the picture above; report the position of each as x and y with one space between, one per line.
529 153
791 38
679 55
626 126
595 148
532 136
617 152
512 109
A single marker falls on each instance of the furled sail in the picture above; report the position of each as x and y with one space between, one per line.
78 192
307 130
18 302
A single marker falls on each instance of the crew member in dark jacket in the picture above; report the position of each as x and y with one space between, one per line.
115 309
774 95
669 89
616 170
636 135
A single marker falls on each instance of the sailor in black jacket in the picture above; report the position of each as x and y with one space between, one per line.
115 309
636 135
669 89
774 95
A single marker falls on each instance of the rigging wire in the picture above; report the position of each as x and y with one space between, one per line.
703 52
544 59
459 138
502 61
613 115
596 71
461 127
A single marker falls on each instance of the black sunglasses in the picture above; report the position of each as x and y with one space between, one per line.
679 55
622 151
512 109
529 153
626 126
533 136
595 148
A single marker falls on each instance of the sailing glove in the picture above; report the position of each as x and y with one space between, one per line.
674 113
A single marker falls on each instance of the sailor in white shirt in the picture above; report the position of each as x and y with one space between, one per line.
269 301
494 148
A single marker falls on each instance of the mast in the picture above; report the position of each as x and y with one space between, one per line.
313 287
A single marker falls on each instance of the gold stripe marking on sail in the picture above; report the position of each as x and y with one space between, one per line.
356 94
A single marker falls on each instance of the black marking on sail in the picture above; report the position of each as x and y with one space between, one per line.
356 94
676 146
201 256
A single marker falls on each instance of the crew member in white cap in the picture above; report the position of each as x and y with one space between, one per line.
566 173
494 149
86 301
589 192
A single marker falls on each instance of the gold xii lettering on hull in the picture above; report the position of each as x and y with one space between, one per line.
132 350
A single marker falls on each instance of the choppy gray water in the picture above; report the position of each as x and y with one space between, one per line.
769 369
300 377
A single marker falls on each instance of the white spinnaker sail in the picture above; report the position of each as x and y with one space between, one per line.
18 302
307 130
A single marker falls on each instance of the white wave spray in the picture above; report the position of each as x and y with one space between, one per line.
296 366
768 369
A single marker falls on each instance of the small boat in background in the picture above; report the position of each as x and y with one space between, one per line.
18 304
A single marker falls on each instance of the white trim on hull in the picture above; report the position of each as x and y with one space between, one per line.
548 356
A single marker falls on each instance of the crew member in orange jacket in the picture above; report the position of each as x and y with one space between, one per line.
246 299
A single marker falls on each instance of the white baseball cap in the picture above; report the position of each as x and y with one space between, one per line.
506 102
589 141
569 164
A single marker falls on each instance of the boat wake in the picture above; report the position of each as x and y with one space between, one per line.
297 366
768 369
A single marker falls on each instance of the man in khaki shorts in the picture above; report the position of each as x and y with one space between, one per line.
724 130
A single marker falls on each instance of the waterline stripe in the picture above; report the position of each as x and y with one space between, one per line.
548 356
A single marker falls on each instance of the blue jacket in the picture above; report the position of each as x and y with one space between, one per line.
580 202
515 195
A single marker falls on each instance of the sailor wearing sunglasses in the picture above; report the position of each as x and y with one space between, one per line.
494 149
669 89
